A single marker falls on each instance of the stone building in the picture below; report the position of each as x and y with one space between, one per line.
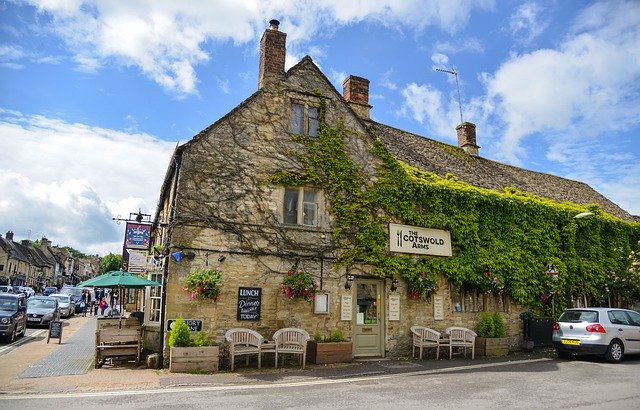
243 196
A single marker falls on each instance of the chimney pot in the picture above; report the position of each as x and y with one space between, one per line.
9 235
274 24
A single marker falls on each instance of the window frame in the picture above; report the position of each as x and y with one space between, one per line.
306 119
302 204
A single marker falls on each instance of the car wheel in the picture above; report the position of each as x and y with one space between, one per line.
12 337
563 355
614 352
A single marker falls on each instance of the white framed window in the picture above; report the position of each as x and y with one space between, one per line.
300 206
304 119
154 302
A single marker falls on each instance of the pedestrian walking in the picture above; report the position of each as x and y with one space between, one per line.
103 306
85 302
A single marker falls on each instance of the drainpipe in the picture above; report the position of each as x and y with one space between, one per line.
165 274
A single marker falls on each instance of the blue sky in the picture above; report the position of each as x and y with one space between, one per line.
95 95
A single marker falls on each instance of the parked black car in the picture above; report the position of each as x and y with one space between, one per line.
76 295
13 318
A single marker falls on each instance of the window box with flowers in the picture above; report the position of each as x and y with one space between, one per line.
298 284
422 286
203 284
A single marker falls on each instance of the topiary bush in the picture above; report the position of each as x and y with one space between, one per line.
486 327
336 336
179 336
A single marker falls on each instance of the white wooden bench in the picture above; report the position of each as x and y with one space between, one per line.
244 342
424 337
115 342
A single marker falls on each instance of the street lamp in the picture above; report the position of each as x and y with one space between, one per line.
553 272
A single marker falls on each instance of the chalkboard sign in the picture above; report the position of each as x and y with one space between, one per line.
194 325
249 301
55 330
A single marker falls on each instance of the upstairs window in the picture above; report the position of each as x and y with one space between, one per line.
300 206
304 119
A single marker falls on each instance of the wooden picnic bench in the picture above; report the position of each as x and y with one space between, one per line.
116 342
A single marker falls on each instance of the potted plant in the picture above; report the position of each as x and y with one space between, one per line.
491 340
527 343
422 285
191 355
332 349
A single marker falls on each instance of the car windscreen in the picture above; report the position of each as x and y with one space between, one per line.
8 303
61 298
577 316
41 303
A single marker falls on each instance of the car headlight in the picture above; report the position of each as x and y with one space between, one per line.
5 320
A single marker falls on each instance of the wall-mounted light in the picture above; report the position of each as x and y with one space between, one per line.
551 270
394 285
348 282
222 258
178 256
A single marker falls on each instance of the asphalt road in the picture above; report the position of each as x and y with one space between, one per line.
588 383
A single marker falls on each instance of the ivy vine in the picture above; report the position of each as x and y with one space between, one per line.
511 233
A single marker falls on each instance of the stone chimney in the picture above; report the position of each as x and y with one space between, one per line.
25 242
9 235
45 243
272 54
467 138
355 91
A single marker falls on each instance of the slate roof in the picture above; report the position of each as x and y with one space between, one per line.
440 158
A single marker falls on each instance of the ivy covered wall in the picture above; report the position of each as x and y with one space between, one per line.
512 234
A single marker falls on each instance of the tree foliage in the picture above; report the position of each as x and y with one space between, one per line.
111 262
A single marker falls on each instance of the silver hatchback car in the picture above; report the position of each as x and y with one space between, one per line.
609 332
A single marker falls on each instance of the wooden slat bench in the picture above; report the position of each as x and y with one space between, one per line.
115 342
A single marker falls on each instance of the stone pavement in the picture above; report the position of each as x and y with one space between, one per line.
38 367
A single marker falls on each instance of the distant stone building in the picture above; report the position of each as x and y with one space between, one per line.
243 195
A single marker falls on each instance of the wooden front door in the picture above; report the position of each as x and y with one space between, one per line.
368 319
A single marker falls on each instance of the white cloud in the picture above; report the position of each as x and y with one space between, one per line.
167 39
584 88
525 22
428 106
67 181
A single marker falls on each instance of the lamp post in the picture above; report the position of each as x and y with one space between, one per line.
553 272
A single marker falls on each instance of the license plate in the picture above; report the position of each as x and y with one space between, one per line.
33 319
570 342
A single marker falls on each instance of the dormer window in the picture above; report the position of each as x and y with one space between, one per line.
304 119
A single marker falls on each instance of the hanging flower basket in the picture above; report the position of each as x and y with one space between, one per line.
298 284
491 283
422 286
203 283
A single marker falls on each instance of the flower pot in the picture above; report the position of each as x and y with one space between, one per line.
203 359
495 346
329 352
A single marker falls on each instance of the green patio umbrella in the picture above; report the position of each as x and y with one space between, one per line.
118 279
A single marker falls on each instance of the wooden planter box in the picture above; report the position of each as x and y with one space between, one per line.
330 352
194 359
496 346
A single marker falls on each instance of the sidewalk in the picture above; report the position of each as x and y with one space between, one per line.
38 367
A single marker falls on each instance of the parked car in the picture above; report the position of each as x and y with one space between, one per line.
49 290
6 289
75 293
13 319
28 291
609 332
66 306
42 310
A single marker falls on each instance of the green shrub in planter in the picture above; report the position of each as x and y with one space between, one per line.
486 327
201 340
180 336
336 336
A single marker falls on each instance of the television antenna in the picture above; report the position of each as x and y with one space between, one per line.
455 74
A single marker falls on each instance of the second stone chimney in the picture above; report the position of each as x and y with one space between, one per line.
467 138
272 54
45 243
9 235
355 91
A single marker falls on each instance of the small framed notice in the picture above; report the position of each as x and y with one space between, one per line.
321 304
438 308
394 307
346 308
